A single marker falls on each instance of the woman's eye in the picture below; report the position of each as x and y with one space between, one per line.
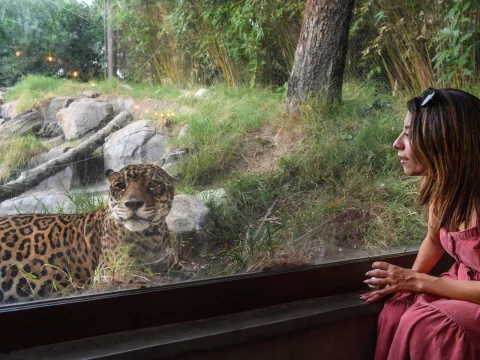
120 186
406 135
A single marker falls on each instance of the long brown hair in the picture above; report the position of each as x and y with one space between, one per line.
445 138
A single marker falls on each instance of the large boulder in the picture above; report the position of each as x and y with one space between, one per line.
189 219
45 201
50 130
23 123
188 214
140 141
65 179
56 105
84 116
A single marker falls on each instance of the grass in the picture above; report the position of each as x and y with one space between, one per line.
341 187
218 126
16 152
35 91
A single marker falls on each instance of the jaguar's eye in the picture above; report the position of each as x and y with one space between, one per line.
120 186
154 184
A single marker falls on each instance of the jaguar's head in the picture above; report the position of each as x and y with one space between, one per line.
140 195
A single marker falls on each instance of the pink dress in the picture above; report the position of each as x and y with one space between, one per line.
424 326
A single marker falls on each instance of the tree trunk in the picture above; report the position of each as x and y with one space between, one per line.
321 51
31 178
111 45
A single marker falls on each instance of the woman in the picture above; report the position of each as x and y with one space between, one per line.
432 317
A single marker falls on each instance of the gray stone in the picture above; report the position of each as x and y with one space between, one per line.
50 130
202 94
37 202
51 154
173 156
65 180
188 214
91 94
23 123
84 116
56 105
7 111
140 141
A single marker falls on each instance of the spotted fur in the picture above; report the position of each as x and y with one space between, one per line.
45 254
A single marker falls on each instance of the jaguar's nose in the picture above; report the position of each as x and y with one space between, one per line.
134 204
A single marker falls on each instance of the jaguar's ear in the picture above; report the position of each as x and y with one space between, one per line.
108 173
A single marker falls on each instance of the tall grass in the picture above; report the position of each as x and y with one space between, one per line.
219 125
341 188
16 152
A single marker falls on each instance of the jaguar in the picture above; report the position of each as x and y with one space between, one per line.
46 254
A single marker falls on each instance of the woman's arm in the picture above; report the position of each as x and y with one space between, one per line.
407 280
431 249
430 252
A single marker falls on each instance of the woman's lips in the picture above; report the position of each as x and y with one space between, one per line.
403 160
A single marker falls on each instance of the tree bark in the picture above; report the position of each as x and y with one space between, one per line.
111 44
31 178
321 52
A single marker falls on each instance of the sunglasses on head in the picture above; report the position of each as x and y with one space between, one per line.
426 96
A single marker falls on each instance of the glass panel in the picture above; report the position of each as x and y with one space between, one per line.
198 89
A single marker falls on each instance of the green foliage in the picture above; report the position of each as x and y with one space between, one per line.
16 152
232 42
453 59
41 37
33 91
219 125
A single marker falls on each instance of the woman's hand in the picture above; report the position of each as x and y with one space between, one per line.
392 279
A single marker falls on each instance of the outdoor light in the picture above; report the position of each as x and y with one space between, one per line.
50 58
18 53
93 84
75 73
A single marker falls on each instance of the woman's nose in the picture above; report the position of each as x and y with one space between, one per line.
398 143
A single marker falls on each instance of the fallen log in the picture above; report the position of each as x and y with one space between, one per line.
35 176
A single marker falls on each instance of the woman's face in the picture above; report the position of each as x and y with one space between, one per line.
411 165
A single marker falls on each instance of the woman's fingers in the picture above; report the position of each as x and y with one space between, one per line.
378 281
381 265
377 273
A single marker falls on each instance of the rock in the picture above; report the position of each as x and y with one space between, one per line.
202 94
183 131
84 116
91 94
171 158
140 141
56 105
51 154
49 130
189 219
23 123
188 214
7 111
37 202
64 180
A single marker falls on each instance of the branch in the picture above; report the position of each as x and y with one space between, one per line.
33 177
